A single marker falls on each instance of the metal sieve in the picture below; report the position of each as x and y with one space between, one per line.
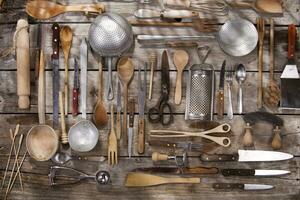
110 35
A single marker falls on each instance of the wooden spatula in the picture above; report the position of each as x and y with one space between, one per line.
142 180
41 9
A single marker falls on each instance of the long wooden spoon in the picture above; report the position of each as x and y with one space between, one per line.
180 59
42 9
66 37
142 180
125 71
100 117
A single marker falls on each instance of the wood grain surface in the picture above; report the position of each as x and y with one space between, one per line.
35 174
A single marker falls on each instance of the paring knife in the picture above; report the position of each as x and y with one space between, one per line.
119 108
220 95
141 106
55 73
247 156
75 89
131 107
151 13
242 186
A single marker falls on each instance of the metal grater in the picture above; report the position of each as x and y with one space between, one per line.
200 93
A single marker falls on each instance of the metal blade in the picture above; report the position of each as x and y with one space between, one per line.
119 104
76 75
158 170
257 187
257 156
262 172
130 137
55 90
165 76
222 75
141 95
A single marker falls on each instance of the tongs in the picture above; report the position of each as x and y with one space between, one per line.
223 128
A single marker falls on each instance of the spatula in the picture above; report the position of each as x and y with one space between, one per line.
42 9
142 180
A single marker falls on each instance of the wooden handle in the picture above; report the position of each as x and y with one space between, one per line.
152 66
179 14
131 109
218 157
202 170
41 90
159 156
75 102
248 140
66 98
124 132
241 5
271 59
64 136
261 32
141 135
23 64
96 8
228 186
178 87
220 104
238 172
118 125
181 3
276 142
182 180
292 33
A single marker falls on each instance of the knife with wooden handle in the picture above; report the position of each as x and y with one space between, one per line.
176 170
220 96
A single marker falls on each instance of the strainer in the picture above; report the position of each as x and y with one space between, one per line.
110 35
238 37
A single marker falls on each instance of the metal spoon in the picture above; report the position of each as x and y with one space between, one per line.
240 75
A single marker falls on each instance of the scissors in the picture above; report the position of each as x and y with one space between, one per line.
162 105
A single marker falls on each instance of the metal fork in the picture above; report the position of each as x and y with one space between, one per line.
112 141
229 79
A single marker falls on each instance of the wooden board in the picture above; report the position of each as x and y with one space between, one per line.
35 174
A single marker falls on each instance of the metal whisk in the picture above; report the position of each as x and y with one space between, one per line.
110 35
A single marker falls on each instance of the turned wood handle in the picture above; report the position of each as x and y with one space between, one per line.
220 104
41 90
96 8
276 142
118 125
182 3
292 32
64 136
179 14
141 135
178 88
159 156
23 64
248 139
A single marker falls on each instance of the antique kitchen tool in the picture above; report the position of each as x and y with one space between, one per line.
142 180
180 59
110 35
247 156
21 42
125 72
63 158
241 186
112 150
100 117
55 73
64 136
180 161
220 98
253 172
75 89
237 37
119 108
229 81
167 13
264 7
152 63
38 51
142 90
200 93
42 9
66 37
165 38
168 144
255 117
56 173
223 141
41 90
157 113
272 92
290 80
240 75
131 109
261 34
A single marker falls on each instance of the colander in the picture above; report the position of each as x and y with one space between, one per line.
110 35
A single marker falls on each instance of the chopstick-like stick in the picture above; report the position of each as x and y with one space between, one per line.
10 152
15 152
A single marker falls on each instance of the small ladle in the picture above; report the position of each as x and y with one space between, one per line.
240 76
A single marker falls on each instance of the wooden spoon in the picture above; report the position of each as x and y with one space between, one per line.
125 70
180 59
100 117
66 36
42 9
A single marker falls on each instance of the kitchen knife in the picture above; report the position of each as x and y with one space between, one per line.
151 13
55 73
220 97
242 186
119 107
247 156
75 89
131 107
185 145
176 170
253 172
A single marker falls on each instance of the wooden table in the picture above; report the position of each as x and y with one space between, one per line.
35 173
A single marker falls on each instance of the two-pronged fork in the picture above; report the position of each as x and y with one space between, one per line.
112 152
229 80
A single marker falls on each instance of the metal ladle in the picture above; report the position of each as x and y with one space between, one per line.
240 75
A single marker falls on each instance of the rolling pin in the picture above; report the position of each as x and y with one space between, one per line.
21 39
